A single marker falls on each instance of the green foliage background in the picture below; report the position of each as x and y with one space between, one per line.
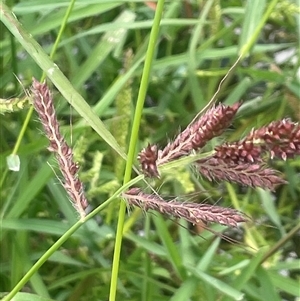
100 48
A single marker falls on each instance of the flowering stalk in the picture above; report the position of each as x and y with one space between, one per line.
191 212
43 104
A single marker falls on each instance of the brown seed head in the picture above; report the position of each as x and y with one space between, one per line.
43 104
147 158
191 212
253 175
280 139
212 124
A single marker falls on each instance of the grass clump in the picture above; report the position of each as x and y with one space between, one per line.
124 79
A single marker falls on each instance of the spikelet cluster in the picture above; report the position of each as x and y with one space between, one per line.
242 162
43 104
191 212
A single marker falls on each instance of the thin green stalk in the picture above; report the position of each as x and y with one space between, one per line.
61 30
63 238
132 145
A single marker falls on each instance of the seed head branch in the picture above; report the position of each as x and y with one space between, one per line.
43 104
280 139
252 175
191 212
148 160
195 136
212 124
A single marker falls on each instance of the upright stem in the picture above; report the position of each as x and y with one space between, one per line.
132 144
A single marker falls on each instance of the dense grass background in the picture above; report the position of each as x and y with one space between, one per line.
100 48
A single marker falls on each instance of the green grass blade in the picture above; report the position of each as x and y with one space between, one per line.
221 286
171 248
253 23
53 20
106 45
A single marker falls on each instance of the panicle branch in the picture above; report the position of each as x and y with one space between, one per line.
212 124
191 212
243 161
195 136
43 104
280 139
252 175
